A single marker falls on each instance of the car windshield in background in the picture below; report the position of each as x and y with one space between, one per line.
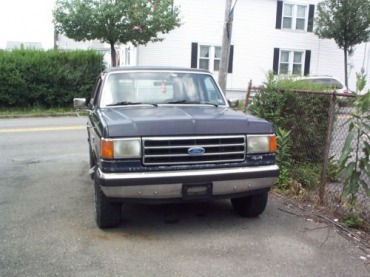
126 88
324 82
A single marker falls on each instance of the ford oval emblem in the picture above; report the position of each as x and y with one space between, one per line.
196 151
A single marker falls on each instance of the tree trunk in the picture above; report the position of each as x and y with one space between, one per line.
346 67
113 54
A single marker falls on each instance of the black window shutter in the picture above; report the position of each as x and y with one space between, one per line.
231 58
279 14
194 55
307 63
275 66
311 14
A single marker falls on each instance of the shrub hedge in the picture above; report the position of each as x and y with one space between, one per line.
30 78
305 115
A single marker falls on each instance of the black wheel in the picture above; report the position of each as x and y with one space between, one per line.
251 205
107 214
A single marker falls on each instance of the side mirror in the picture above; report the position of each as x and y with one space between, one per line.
233 103
79 103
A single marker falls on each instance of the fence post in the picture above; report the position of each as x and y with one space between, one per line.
327 148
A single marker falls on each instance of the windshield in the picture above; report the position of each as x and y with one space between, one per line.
324 82
133 88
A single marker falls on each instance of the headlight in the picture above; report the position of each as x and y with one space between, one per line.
120 148
261 144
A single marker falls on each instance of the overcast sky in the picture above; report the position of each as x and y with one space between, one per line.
26 21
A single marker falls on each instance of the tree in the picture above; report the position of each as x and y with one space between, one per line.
345 21
116 21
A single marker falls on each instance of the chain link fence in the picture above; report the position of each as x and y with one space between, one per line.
342 118
318 138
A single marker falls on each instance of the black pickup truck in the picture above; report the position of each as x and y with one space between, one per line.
164 135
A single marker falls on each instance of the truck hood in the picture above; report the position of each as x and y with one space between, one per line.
137 121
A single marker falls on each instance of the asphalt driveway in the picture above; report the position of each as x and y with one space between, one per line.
47 223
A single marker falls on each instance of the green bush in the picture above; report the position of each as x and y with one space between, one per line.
305 115
300 120
47 79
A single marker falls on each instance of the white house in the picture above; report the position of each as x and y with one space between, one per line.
268 35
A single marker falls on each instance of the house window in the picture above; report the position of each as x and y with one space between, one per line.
291 62
300 21
209 57
288 16
284 62
217 59
294 16
297 63
204 57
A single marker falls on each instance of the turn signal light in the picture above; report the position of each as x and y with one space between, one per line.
273 144
106 149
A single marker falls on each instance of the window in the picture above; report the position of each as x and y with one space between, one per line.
294 16
291 62
287 16
123 88
217 59
209 57
295 62
284 62
95 92
300 21
204 57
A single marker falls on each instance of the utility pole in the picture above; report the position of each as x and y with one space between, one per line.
226 41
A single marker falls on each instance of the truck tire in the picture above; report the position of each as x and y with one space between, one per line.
107 214
251 205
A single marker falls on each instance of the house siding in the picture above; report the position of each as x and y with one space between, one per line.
254 38
200 25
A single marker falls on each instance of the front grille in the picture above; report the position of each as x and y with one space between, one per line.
175 150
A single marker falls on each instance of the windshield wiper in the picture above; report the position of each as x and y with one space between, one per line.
209 103
191 102
128 103
183 102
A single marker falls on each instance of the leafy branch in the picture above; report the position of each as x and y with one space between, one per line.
354 162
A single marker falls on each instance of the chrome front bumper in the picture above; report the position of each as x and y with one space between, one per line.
169 184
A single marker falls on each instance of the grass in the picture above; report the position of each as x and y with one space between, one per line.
35 112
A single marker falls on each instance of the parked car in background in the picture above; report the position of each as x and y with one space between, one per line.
325 81
160 135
